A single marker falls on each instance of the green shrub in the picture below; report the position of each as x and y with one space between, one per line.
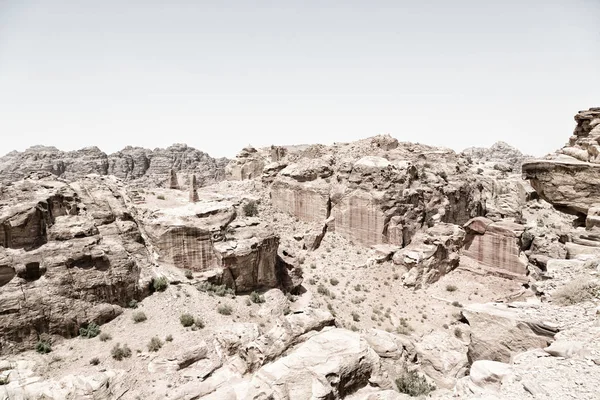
257 298
138 317
43 347
105 337
160 284
577 291
321 289
199 323
456 304
155 344
132 304
334 281
250 209
457 332
225 310
218 290
451 288
189 274
95 361
413 384
160 197
169 338
90 331
355 316
119 353
186 320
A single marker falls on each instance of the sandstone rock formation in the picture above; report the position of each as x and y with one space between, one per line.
498 332
496 245
502 155
568 179
71 254
147 167
431 255
248 164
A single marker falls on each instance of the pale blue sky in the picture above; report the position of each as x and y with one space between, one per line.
219 75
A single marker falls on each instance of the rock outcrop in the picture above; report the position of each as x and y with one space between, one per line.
378 190
143 166
496 245
71 254
431 255
211 238
502 155
499 332
569 178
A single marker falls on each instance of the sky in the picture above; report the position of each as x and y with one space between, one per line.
219 75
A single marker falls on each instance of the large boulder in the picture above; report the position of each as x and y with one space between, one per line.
331 364
499 332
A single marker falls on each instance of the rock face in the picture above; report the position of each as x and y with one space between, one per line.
209 237
131 164
248 164
569 178
70 254
431 254
378 190
496 245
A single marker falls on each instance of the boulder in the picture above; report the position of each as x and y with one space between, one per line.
498 332
443 358
331 364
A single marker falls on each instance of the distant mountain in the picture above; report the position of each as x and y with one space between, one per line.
130 164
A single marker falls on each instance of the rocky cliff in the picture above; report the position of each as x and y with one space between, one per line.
142 166
70 254
569 178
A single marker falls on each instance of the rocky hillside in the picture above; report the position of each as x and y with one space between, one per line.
137 165
364 271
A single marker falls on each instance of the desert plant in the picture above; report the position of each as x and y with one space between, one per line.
138 317
257 298
186 320
132 304
43 346
413 384
198 323
169 338
160 284
456 304
250 209
119 353
189 274
218 290
451 288
355 316
457 332
225 309
160 197
321 289
104 337
95 361
576 291
155 344
334 281
90 331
